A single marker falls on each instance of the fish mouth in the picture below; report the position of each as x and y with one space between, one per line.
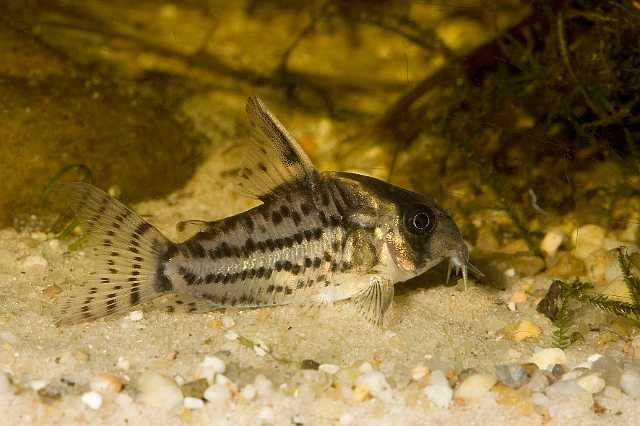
460 263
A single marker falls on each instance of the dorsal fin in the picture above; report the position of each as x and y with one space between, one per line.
274 161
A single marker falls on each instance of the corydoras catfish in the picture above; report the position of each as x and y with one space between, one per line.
317 238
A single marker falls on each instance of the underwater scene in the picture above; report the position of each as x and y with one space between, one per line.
330 212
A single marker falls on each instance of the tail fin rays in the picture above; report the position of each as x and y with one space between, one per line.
130 251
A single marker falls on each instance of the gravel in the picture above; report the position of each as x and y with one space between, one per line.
158 391
475 386
512 375
630 382
92 400
438 390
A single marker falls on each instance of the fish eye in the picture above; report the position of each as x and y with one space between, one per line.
419 220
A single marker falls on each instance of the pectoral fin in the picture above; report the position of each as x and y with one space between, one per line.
374 301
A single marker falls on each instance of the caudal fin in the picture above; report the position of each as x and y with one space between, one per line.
130 252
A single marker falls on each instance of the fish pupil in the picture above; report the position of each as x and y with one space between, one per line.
421 221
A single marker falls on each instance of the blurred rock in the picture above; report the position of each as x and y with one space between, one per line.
376 384
538 381
551 242
598 263
592 383
475 386
487 240
587 239
158 391
630 382
546 358
609 369
566 266
512 375
567 400
438 390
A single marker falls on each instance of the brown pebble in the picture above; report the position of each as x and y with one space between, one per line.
529 368
463 375
52 291
599 409
195 388
576 336
50 393
106 383
360 392
215 324
309 364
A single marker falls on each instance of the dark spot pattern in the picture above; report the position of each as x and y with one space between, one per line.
189 277
276 218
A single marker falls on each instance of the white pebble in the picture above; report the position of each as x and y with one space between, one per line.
263 385
123 364
248 392
540 399
630 382
231 335
38 384
329 368
228 322
92 400
217 394
377 385
34 261
567 400
475 386
135 316
221 379
592 383
365 367
346 419
123 400
210 366
438 390
419 372
5 383
549 357
593 358
588 364
191 403
39 236
159 391
538 382
551 242
266 414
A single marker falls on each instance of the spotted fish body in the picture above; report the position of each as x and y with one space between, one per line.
317 237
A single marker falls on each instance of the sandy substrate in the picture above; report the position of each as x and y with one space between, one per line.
439 327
